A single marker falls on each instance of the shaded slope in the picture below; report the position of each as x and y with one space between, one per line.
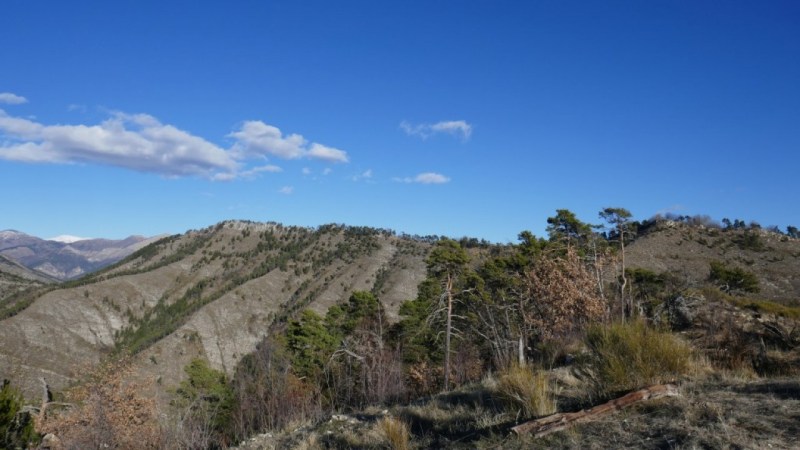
18 286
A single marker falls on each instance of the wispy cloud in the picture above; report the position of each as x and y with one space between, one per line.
252 173
286 190
366 175
425 178
12 99
141 142
457 128
256 138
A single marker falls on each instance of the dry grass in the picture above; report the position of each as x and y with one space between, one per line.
111 410
755 304
709 414
765 306
528 392
395 433
631 355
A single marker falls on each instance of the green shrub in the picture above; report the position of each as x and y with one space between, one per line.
750 240
765 306
16 427
732 278
631 355
205 402
527 391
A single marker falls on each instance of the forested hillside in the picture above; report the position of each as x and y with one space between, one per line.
348 337
211 293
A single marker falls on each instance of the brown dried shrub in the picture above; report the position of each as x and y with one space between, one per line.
111 410
559 295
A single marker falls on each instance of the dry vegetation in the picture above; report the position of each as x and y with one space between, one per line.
494 336
528 391
110 410
626 356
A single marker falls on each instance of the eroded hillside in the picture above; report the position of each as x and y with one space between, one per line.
686 252
248 308
212 293
18 285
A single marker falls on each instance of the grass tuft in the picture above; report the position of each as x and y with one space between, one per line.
527 391
395 433
632 355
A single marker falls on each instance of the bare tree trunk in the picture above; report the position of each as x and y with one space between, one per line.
521 351
598 273
559 421
447 332
624 279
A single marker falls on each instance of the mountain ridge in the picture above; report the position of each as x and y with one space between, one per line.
217 292
67 260
209 293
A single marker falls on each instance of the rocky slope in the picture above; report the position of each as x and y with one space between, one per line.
686 251
16 279
211 293
215 293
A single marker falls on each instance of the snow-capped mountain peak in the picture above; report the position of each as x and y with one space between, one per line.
67 239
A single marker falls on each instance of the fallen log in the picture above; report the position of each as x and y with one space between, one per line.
559 421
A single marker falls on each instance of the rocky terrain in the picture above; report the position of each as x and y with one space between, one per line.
212 293
686 251
216 293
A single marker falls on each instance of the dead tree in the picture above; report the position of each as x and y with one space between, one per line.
556 422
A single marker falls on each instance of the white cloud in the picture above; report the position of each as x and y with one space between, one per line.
253 172
327 171
19 127
256 138
330 154
286 190
366 175
454 127
425 178
12 99
141 142
306 171
458 128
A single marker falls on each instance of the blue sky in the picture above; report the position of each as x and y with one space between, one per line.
459 118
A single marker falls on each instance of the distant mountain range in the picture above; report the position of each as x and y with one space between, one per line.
66 257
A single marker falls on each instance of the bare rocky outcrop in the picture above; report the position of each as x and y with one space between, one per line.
678 312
